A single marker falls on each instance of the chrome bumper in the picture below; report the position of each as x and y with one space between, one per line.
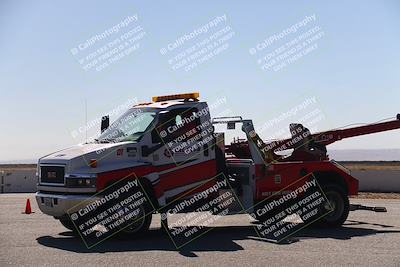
59 205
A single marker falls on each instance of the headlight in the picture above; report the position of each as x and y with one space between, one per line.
81 180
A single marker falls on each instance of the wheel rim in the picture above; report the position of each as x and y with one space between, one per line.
335 205
137 222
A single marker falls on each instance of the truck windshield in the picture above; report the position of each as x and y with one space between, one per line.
129 127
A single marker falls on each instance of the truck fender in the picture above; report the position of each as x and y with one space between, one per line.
151 184
331 177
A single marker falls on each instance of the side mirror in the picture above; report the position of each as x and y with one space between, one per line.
105 122
231 126
146 151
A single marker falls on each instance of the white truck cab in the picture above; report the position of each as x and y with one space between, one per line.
141 143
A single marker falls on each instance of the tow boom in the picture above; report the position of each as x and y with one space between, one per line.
308 146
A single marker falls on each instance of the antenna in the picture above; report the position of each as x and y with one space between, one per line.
86 129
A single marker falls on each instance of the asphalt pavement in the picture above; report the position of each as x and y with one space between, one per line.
366 239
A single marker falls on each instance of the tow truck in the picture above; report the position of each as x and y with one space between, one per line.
171 146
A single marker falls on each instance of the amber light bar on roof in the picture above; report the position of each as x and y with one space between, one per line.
193 96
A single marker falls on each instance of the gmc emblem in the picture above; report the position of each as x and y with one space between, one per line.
51 175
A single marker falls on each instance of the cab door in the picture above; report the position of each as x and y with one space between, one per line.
186 156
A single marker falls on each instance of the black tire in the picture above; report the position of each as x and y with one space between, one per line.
339 201
141 222
67 223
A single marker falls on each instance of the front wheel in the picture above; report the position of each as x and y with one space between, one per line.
140 222
67 223
338 205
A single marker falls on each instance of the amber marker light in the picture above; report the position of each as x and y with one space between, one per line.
93 163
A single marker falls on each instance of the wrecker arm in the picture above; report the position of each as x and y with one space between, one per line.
307 146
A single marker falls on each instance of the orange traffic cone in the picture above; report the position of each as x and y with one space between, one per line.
28 209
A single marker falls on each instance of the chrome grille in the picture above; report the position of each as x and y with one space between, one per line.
52 174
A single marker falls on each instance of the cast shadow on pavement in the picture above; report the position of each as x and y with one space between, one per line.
218 239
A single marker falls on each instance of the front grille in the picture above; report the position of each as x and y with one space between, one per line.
52 174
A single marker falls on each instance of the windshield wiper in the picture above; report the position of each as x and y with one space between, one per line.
104 140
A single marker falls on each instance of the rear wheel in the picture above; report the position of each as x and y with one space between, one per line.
338 204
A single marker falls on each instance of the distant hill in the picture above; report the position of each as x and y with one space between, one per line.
23 161
365 154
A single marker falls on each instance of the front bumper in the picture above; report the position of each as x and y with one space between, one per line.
59 205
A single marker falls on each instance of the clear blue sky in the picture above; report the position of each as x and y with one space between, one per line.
354 73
